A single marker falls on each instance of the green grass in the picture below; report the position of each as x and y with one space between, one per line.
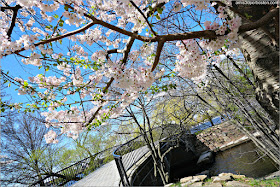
208 180
178 184
263 183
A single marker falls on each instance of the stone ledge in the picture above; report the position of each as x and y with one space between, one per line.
223 179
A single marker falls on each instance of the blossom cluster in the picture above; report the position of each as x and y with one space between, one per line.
134 79
130 77
65 121
47 82
190 62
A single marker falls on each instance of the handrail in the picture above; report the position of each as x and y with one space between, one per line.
129 157
119 162
74 172
140 152
148 173
120 146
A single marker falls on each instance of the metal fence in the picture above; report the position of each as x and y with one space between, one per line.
127 155
76 171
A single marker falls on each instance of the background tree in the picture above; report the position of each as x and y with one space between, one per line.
22 142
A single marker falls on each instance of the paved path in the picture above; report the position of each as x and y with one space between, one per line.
107 175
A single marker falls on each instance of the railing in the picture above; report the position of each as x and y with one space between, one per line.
76 171
127 155
154 181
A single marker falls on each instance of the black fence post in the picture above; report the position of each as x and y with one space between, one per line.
124 173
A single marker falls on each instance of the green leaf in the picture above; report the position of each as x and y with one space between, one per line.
55 16
159 10
47 68
158 17
61 24
25 83
248 16
66 8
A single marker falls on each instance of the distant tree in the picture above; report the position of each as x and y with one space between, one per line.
24 146
91 142
152 128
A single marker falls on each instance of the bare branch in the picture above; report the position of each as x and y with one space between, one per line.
150 26
13 23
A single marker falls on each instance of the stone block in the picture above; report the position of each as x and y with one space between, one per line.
194 180
213 185
196 184
222 178
236 184
238 176
186 179
225 174
200 177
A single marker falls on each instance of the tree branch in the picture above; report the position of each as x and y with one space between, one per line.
150 12
264 20
125 57
250 22
159 49
150 26
58 37
13 23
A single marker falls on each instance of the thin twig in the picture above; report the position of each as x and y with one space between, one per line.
150 26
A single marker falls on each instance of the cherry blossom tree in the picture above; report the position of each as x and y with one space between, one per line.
102 54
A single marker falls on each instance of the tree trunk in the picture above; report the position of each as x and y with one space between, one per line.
260 48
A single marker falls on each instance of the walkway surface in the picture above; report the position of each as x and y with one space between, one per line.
107 175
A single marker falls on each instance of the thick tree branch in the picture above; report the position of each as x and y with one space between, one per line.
207 34
236 11
13 23
159 49
264 20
